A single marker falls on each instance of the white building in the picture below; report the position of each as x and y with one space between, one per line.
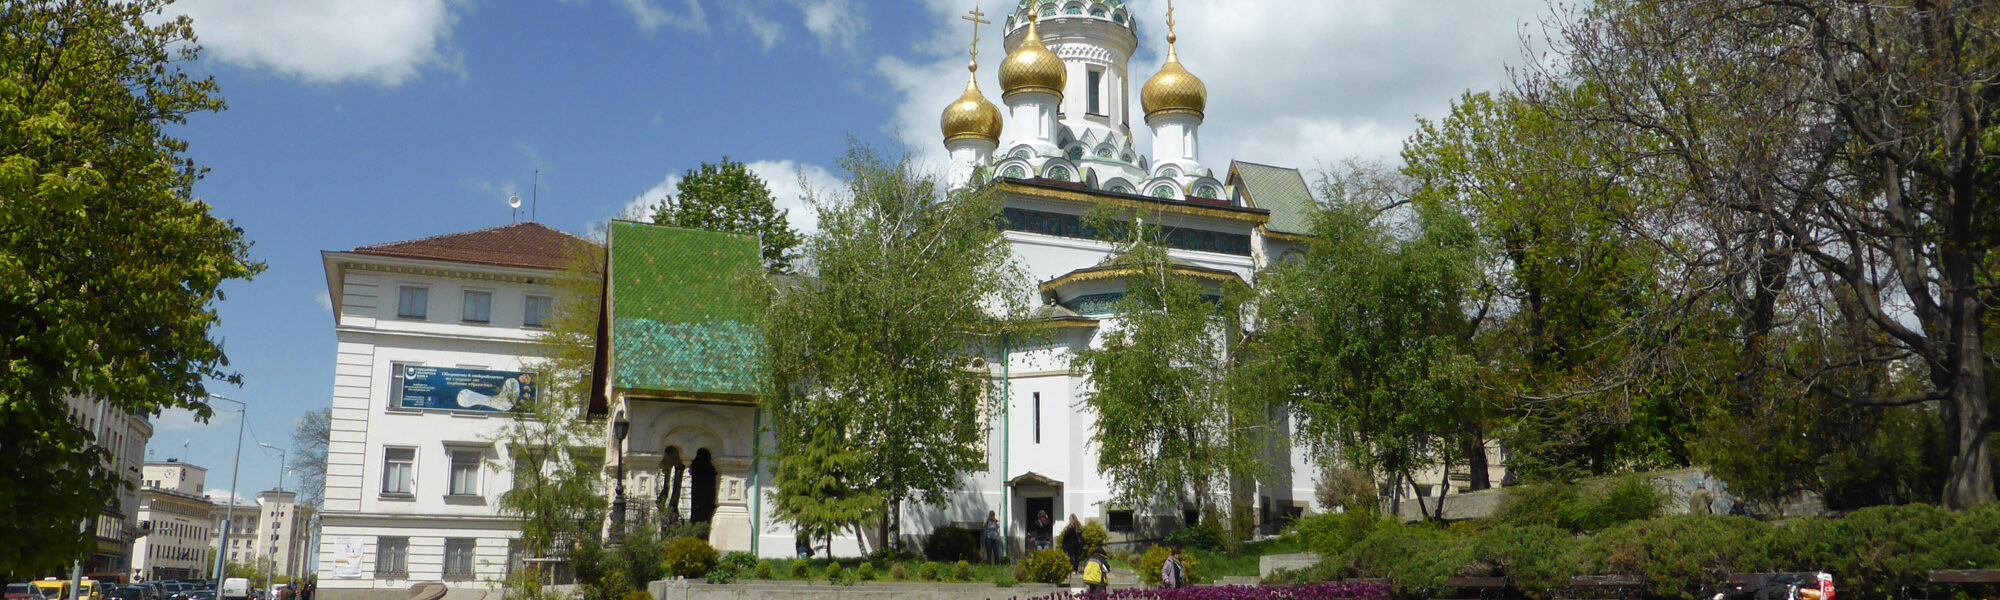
123 435
177 530
434 338
241 530
277 544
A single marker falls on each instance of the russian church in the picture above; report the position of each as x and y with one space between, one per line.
684 437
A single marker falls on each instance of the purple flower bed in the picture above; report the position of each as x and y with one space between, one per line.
1315 591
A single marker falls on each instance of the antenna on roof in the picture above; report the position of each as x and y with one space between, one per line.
536 195
514 202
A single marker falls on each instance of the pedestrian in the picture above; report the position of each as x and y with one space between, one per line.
1172 574
803 545
1041 530
1701 502
1096 574
1072 543
992 538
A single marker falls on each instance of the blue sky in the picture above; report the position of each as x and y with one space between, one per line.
357 122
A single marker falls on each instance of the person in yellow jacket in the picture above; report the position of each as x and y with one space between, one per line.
1096 574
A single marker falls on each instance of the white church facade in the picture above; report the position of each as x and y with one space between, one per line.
1061 146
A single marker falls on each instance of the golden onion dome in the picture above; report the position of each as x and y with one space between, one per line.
1173 90
1031 67
971 116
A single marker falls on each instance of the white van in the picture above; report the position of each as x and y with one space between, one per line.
236 587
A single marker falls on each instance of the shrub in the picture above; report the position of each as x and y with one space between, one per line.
684 529
1414 558
1682 555
950 543
928 572
1535 559
1206 534
865 572
898 573
637 595
688 557
801 570
1876 550
1045 566
1021 570
1148 565
720 574
833 572
738 561
1005 581
763 569
961 571
1094 536
1330 534
1583 508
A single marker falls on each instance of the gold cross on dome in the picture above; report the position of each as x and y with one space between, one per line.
1170 21
974 16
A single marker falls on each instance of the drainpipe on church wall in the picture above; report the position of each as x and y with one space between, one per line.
756 476
1006 491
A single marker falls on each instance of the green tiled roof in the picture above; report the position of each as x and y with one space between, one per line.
1279 190
683 311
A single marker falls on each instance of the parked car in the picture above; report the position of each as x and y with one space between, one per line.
132 592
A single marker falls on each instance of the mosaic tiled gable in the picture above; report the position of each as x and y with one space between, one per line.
684 314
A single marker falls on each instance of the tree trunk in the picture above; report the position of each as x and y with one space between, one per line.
1475 458
1971 480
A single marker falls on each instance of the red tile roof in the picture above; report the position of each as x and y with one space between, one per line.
531 245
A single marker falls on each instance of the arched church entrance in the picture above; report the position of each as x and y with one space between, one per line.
701 507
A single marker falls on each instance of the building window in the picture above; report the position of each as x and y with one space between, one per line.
465 472
1119 521
537 312
478 307
392 557
1096 91
1038 417
399 470
458 557
413 302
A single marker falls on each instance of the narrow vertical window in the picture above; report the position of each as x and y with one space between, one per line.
1038 417
536 314
399 470
478 307
1096 91
413 302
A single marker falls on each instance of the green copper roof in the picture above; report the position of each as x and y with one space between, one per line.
1279 190
683 311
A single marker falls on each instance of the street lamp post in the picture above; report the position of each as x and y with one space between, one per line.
235 469
271 556
618 430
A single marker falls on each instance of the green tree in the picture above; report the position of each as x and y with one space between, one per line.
1369 336
870 349
1170 426
1573 289
110 265
727 197
1849 146
554 452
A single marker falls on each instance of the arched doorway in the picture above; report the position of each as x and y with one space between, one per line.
701 495
672 473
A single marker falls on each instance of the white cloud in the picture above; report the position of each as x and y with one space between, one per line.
767 31
650 17
386 42
1289 83
789 182
324 299
180 419
836 23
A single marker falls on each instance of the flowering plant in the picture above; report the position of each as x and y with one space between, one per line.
1335 590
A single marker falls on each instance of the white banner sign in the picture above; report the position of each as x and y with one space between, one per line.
347 556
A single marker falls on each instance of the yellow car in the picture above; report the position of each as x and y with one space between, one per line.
58 589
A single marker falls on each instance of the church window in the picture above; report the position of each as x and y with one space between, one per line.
1022 153
1207 192
1075 152
1096 92
1059 173
1127 157
1104 152
1015 172
1169 172
1097 11
1073 9
1038 417
1049 10
1163 192
1120 189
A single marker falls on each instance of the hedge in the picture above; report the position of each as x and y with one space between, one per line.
1873 553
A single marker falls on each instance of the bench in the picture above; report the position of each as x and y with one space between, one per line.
1619 587
1481 588
1955 578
